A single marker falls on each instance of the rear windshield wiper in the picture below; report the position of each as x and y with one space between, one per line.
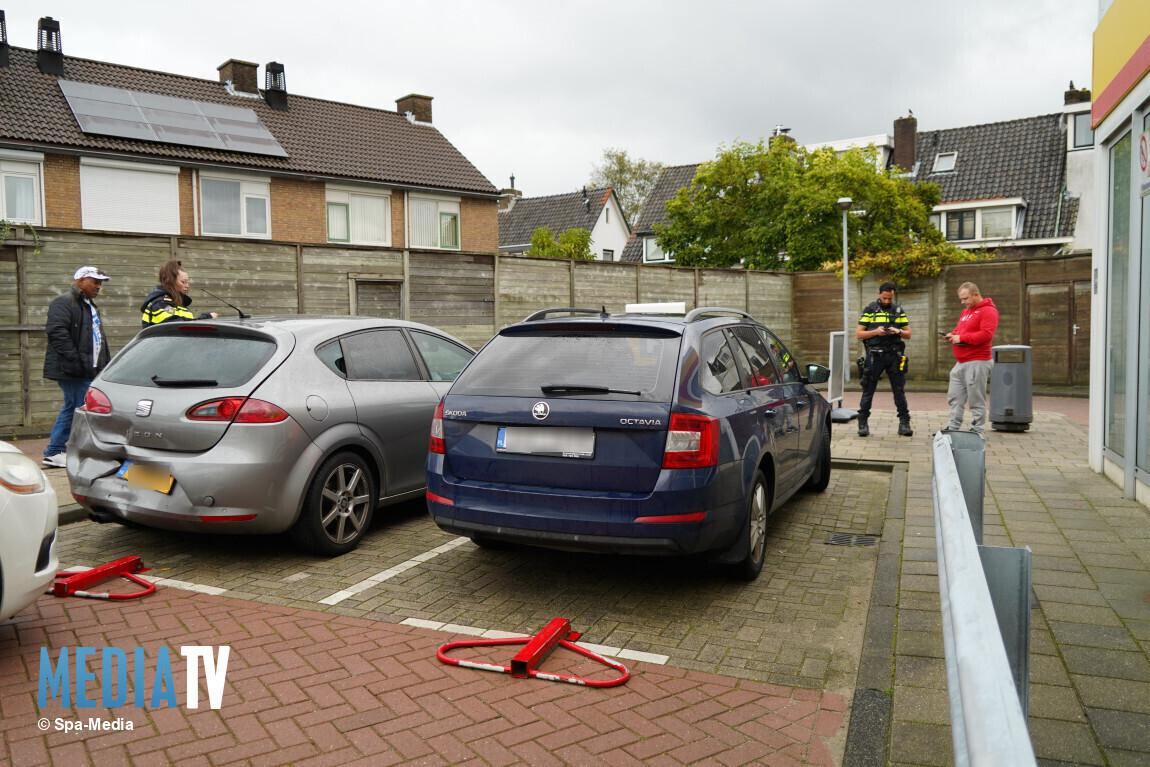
172 382
554 388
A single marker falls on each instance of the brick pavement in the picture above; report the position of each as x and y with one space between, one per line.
310 688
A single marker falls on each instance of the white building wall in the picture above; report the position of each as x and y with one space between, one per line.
609 233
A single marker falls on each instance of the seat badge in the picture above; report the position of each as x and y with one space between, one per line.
540 411
144 408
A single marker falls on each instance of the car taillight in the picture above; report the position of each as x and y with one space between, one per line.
436 444
237 410
95 401
692 442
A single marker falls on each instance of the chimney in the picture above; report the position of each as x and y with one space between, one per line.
782 134
418 106
3 41
905 142
49 49
275 86
241 74
508 197
1076 96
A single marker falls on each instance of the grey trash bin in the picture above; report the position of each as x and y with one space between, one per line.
1011 389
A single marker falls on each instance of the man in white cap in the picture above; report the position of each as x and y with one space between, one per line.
77 352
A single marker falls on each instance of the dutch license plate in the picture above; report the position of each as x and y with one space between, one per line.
557 441
146 477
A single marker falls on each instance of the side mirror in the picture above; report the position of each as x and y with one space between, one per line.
818 374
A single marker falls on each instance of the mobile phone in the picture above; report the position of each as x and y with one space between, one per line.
942 333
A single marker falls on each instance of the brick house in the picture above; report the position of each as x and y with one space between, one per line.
94 146
596 210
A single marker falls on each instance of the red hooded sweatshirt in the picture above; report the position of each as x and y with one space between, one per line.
975 329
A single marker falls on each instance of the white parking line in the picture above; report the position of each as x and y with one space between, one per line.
455 628
391 572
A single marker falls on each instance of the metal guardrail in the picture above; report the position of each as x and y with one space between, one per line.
985 595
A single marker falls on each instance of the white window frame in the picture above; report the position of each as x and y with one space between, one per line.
649 245
342 195
1072 132
251 187
119 196
1016 206
445 206
28 165
945 161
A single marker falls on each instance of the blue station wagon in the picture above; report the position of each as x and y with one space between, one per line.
629 433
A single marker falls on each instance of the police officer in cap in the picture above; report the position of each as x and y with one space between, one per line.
883 328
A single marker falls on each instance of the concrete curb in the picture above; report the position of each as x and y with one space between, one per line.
70 513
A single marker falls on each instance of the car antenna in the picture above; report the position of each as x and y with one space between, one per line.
225 303
603 313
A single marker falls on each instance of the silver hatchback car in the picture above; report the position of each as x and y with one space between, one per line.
265 425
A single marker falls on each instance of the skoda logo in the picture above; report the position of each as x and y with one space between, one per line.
144 408
540 410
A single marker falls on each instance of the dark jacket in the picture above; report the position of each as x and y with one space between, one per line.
69 329
158 307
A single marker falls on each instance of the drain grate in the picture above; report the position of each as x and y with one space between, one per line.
847 539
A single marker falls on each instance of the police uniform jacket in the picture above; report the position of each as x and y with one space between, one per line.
158 307
875 316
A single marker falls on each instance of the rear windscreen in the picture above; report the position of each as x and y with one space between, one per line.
194 358
631 365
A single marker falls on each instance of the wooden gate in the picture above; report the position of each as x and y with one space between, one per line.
1058 332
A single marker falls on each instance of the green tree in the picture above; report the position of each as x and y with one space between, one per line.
573 243
775 207
632 180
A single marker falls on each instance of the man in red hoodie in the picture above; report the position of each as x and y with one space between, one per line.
970 341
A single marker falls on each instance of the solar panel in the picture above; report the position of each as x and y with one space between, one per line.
119 112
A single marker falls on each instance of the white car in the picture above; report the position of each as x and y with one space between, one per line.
28 519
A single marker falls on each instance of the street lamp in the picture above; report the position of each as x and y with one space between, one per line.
842 414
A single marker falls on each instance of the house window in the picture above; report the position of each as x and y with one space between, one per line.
652 251
359 218
20 189
608 255
960 225
936 220
1083 133
434 223
338 225
997 224
945 161
117 196
238 208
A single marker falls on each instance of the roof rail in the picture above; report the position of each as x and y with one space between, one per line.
702 311
545 313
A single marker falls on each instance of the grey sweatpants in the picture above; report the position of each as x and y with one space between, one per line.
968 384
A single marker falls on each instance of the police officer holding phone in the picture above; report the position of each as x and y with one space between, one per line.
884 328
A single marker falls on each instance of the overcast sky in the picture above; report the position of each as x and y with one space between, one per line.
539 89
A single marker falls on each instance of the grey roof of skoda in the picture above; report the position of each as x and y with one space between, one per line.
1017 158
321 137
559 212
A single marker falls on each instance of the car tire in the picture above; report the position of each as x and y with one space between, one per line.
822 477
338 507
755 532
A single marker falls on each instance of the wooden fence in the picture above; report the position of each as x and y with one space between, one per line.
467 294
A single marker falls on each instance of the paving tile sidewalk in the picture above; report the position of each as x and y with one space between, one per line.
1090 618
310 688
